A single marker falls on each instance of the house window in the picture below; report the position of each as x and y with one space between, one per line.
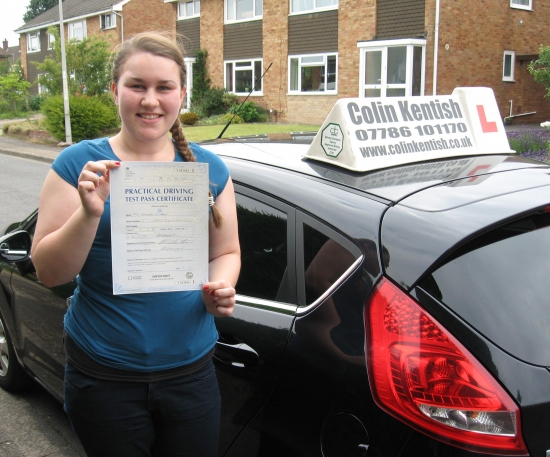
108 21
508 66
243 10
42 89
522 4
33 41
315 73
187 10
392 68
51 40
301 6
241 76
77 30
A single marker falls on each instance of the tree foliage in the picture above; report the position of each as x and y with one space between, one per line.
14 90
37 7
201 81
87 64
540 69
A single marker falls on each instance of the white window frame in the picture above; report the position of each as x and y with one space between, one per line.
71 27
51 40
302 63
239 65
512 56
521 6
183 6
33 37
384 85
41 89
317 6
189 61
103 20
230 11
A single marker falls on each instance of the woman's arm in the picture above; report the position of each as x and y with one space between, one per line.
67 222
224 257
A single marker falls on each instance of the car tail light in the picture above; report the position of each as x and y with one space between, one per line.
425 377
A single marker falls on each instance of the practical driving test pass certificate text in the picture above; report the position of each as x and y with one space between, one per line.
159 226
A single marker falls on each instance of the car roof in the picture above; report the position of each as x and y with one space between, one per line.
393 184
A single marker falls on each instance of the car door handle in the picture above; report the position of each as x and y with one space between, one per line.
237 355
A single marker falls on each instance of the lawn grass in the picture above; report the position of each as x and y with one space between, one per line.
201 132
210 132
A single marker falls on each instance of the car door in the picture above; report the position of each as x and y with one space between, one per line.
38 314
252 342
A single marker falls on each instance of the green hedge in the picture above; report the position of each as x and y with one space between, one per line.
90 116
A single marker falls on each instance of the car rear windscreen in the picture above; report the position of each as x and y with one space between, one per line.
500 284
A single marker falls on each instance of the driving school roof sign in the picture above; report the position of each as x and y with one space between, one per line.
364 134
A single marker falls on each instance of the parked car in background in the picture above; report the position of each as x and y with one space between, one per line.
387 307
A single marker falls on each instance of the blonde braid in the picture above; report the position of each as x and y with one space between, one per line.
182 145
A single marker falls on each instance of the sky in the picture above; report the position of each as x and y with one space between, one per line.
11 18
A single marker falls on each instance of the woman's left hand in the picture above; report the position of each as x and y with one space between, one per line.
219 298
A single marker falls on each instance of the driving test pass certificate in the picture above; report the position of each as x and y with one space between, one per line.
159 226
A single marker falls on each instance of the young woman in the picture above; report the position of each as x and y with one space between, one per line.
139 379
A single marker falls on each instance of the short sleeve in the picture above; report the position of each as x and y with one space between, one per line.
218 171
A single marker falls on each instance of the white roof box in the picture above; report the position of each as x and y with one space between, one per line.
363 134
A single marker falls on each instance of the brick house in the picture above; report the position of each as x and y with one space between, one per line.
113 19
10 53
322 50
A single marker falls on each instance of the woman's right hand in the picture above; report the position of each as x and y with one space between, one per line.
94 186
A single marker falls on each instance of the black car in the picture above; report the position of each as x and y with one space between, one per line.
402 311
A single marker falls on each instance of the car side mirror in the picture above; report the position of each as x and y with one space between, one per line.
15 247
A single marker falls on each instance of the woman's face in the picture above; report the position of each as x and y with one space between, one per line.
149 95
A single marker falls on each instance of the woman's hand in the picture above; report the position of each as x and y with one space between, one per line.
219 298
94 186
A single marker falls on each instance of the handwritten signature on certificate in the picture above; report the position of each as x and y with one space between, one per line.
159 226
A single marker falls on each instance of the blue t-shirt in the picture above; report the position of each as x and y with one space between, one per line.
138 332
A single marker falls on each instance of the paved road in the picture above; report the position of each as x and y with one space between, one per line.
20 185
34 425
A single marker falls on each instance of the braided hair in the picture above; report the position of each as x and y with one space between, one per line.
163 45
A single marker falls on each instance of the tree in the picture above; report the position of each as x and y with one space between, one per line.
540 69
87 63
201 81
14 90
37 7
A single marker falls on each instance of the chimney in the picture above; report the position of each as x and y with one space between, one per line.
5 45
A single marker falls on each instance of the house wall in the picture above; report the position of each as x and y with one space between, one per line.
149 15
212 37
190 29
474 55
30 70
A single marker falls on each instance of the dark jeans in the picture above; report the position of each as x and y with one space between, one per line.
177 417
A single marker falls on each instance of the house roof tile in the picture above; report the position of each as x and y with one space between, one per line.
71 9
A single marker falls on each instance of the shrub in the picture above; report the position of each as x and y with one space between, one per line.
211 103
234 118
530 143
35 102
229 99
250 112
90 116
189 118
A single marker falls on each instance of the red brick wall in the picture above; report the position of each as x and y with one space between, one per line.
275 50
148 15
475 52
212 18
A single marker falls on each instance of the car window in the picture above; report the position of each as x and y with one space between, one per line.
499 284
263 238
325 261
